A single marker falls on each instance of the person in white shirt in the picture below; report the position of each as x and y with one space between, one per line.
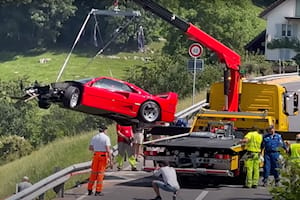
24 184
138 133
100 145
169 183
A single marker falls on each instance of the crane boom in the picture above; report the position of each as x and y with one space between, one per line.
227 56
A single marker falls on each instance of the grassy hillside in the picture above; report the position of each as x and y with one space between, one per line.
79 66
42 163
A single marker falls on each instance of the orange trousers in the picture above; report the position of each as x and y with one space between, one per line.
98 168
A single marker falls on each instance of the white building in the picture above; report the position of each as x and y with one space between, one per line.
283 21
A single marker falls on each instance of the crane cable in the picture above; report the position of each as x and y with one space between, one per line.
76 41
114 36
117 32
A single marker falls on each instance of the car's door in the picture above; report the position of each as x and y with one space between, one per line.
110 95
98 94
130 99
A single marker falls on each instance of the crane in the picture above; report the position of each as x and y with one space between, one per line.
226 55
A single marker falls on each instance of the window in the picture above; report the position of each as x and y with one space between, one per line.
286 30
297 8
112 85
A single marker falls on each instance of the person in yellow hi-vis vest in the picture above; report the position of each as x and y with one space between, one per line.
252 140
295 150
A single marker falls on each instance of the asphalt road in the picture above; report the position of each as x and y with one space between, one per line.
129 185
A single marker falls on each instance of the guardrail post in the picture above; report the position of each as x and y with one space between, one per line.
42 197
59 189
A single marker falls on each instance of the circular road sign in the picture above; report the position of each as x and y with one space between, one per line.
195 50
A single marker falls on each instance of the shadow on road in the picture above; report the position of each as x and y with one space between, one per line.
190 182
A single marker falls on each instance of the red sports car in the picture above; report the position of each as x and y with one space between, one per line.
108 97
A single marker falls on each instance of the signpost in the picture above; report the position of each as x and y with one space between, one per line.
195 51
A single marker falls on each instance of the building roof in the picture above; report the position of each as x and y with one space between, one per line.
271 7
256 45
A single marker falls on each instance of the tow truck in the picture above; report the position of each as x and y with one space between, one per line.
211 146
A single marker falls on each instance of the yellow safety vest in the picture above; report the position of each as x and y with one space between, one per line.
254 141
295 151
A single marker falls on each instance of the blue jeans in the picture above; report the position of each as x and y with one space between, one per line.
271 165
164 186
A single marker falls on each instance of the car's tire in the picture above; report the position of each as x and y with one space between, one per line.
71 97
149 112
44 104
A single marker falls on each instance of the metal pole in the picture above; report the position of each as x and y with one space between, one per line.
279 66
194 82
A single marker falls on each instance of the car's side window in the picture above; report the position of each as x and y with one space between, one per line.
100 84
112 85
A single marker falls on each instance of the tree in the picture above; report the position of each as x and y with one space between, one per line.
28 23
166 73
233 23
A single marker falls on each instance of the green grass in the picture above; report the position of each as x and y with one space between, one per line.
79 66
40 164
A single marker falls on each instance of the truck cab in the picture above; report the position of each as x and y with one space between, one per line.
270 99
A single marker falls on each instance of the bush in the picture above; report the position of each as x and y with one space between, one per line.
13 147
290 181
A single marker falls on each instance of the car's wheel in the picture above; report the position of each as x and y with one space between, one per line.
149 112
44 104
71 97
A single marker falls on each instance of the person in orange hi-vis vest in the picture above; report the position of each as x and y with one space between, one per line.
100 145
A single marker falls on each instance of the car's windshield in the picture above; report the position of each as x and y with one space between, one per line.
85 80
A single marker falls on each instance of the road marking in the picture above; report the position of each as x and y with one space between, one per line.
81 197
202 195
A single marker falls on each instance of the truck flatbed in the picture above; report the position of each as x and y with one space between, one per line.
198 142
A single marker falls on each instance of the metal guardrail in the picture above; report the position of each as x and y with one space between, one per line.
60 177
274 76
190 110
50 182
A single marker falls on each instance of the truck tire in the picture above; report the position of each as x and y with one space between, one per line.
149 112
71 97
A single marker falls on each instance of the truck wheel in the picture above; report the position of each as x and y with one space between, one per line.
44 104
71 97
149 112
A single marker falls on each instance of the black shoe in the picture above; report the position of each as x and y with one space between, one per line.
90 192
119 168
174 196
134 169
99 194
157 198
265 184
254 186
246 186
